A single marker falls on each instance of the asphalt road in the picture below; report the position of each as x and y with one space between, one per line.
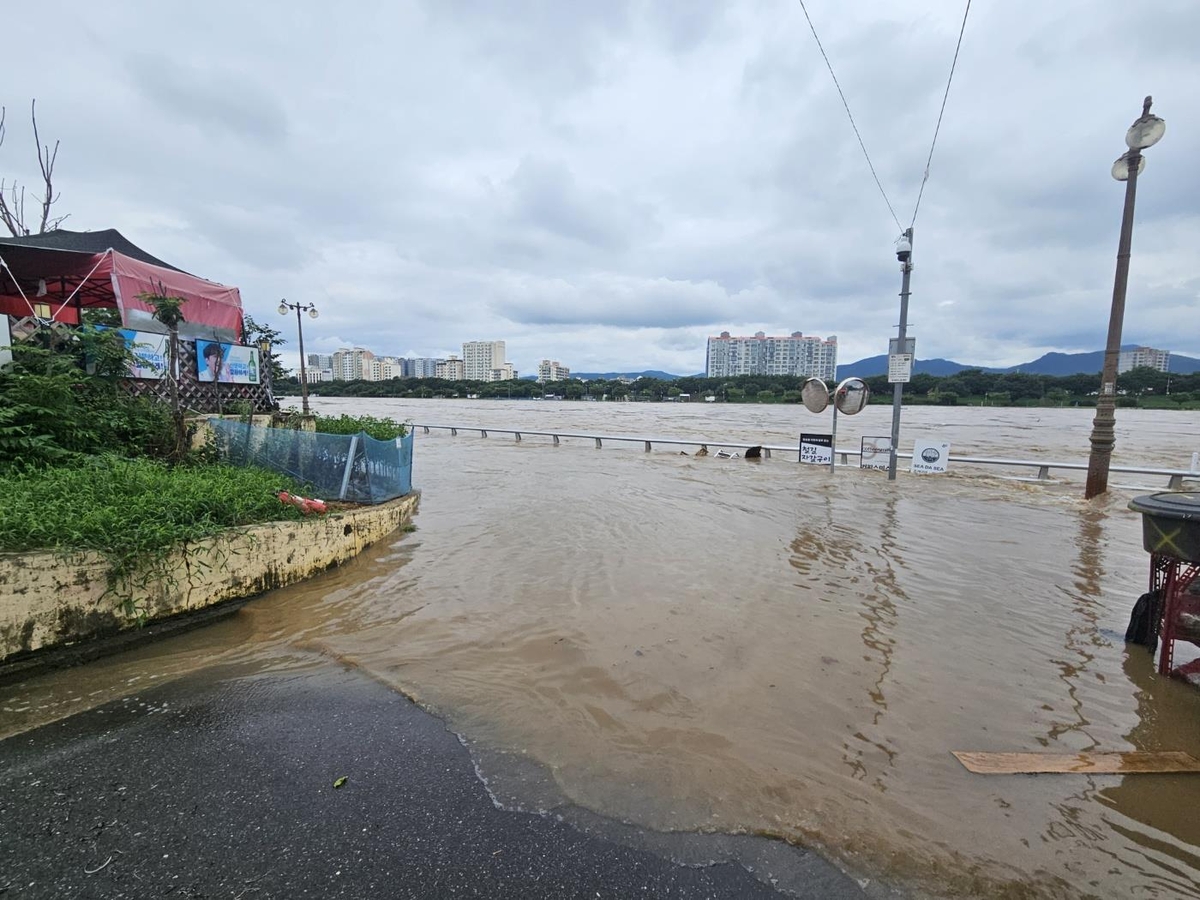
222 785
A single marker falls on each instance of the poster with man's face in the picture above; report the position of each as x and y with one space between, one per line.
229 363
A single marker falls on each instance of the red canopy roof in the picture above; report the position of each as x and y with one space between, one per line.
48 269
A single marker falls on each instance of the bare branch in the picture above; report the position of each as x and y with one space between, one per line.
46 163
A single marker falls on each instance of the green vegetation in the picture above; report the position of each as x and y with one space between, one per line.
1147 388
86 466
128 507
53 411
380 429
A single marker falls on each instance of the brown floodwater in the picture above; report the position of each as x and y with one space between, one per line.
720 644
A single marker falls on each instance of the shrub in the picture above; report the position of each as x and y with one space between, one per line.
380 429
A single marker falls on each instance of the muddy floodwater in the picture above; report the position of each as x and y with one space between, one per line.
764 647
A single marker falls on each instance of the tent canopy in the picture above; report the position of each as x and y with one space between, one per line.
69 271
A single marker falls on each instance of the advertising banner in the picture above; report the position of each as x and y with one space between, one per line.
149 353
228 363
876 453
816 448
930 457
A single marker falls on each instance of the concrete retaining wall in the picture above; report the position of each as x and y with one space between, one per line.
56 599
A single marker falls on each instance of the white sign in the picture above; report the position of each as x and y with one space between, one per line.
910 346
816 448
876 453
900 368
148 349
930 457
5 341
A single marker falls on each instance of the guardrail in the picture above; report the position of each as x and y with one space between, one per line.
1175 476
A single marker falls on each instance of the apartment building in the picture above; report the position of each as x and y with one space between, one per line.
506 372
760 354
320 361
352 364
1144 357
552 370
421 367
482 358
451 369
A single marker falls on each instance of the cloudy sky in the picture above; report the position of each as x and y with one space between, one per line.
608 182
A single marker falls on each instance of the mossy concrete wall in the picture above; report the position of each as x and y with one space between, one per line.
56 599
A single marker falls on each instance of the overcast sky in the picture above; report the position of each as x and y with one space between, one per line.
607 183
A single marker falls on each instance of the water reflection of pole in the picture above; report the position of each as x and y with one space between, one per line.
881 618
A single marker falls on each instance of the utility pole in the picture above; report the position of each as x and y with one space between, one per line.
904 254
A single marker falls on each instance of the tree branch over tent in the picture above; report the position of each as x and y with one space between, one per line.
12 196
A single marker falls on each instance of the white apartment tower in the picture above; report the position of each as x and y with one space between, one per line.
352 364
761 354
1140 357
552 370
451 369
481 358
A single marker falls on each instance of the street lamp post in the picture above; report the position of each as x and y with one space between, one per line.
284 306
1145 132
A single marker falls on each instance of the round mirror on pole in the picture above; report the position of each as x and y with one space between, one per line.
851 396
814 394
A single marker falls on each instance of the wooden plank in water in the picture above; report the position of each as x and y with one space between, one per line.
1128 763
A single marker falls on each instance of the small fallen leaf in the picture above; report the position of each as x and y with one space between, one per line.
340 781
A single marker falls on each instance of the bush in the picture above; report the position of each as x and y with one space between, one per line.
380 429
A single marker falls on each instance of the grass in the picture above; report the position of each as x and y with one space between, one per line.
132 510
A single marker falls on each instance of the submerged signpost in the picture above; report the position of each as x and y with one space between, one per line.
850 398
901 358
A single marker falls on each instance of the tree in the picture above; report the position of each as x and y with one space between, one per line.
12 196
169 311
255 334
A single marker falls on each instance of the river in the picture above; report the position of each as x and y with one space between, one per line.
763 647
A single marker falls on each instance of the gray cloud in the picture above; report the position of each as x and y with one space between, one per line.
608 183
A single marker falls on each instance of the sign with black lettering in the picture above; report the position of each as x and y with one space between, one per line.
876 453
930 457
816 448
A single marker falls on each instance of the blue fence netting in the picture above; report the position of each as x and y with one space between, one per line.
354 467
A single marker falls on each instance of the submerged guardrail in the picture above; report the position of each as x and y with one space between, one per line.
1044 468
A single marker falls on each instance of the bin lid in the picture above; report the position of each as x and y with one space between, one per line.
1168 504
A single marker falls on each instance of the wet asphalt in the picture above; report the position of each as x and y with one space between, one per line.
221 785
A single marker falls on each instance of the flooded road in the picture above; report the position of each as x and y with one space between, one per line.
702 643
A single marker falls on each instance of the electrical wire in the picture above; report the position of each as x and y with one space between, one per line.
851 117
941 112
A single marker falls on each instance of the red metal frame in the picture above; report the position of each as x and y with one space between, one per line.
1174 576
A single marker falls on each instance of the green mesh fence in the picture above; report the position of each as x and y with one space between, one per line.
354 467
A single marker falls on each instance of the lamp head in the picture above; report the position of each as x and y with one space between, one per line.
1120 169
1146 131
312 312
283 307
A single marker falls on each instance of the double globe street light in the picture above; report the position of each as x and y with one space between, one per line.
1145 132
311 309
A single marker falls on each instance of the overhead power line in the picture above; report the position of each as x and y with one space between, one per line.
870 165
941 112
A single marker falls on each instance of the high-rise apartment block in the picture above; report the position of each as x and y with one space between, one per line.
320 361
1144 357
552 370
482 358
352 364
422 367
763 355
451 369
